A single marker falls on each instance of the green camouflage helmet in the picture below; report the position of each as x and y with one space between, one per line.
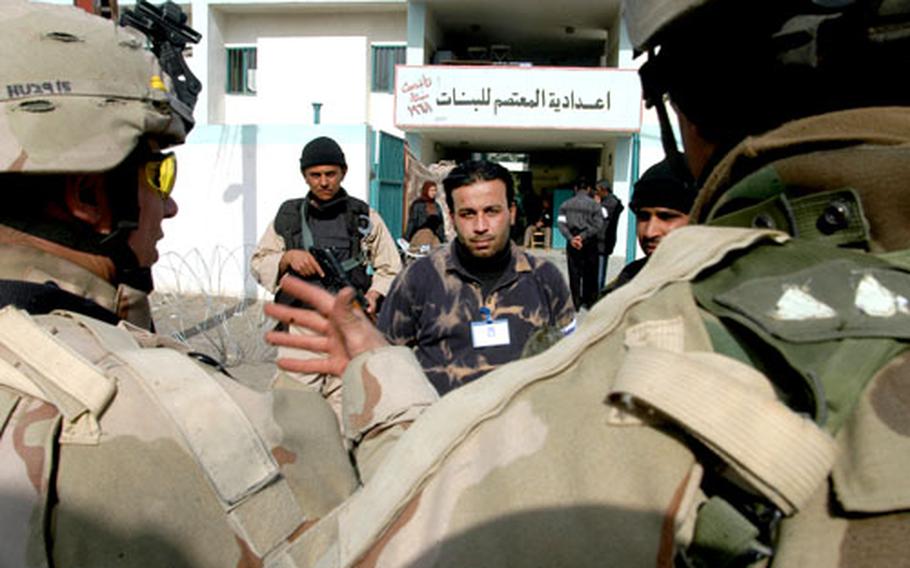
78 92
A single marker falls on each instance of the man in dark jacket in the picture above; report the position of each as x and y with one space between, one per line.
661 203
473 305
611 208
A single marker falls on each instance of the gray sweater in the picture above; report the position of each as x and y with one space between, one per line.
580 215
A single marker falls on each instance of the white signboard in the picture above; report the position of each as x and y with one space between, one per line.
440 96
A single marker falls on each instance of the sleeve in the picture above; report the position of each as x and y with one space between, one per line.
562 222
385 390
412 222
382 254
397 320
266 259
594 221
560 298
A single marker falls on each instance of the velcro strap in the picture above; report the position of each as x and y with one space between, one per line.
722 535
39 365
731 409
260 505
267 518
219 434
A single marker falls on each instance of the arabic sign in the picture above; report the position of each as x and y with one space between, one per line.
517 97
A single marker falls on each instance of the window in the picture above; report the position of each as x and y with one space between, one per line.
385 58
241 70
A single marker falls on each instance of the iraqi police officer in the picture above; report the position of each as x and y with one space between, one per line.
116 446
744 400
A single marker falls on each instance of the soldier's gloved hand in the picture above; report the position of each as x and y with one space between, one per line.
341 329
301 262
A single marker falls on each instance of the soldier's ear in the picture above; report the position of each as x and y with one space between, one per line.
85 197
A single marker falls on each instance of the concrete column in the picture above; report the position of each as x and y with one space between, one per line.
625 48
416 33
623 178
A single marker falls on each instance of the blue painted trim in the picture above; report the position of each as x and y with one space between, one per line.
631 236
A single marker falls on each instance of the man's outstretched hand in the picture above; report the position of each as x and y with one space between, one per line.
340 328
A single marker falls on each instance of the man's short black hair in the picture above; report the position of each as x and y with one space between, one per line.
473 171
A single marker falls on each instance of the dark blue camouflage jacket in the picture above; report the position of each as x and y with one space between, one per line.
433 301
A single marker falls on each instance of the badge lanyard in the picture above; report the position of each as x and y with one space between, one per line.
489 332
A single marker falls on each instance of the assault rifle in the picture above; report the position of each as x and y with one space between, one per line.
166 28
336 277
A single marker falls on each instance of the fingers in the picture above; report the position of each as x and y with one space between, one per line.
309 294
305 264
298 316
315 343
372 297
357 332
314 266
344 312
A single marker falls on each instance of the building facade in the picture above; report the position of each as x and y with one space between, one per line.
550 89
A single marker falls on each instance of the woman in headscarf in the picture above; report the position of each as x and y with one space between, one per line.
426 214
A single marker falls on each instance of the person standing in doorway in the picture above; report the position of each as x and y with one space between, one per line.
580 221
611 208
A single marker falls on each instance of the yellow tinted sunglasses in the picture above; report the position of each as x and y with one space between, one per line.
161 173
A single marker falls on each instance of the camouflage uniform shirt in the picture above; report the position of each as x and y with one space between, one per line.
434 301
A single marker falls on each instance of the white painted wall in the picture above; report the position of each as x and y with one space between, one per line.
312 57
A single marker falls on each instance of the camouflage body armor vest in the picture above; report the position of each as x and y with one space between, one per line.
117 448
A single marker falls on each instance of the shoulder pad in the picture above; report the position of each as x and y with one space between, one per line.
831 300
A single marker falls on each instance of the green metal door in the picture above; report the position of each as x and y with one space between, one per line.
389 183
559 195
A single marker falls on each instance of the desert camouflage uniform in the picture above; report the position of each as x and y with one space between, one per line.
432 304
380 253
378 249
741 372
134 490
116 447
22 262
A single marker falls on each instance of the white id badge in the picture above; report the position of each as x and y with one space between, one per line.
490 334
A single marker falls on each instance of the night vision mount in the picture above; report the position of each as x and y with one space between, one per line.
166 29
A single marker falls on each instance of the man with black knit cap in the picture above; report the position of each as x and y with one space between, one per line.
326 218
661 203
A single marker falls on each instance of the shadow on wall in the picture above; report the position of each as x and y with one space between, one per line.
248 191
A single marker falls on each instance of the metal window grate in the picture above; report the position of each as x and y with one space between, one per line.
385 58
241 70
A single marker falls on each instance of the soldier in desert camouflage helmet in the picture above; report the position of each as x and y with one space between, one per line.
117 447
744 400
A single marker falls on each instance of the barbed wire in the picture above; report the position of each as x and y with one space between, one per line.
211 303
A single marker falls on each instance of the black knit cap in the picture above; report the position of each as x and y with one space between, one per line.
661 186
322 151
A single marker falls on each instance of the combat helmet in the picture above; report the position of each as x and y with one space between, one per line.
79 92
82 94
741 67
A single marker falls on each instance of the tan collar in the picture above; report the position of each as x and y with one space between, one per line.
879 126
32 259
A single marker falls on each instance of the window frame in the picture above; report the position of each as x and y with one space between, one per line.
244 50
388 74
